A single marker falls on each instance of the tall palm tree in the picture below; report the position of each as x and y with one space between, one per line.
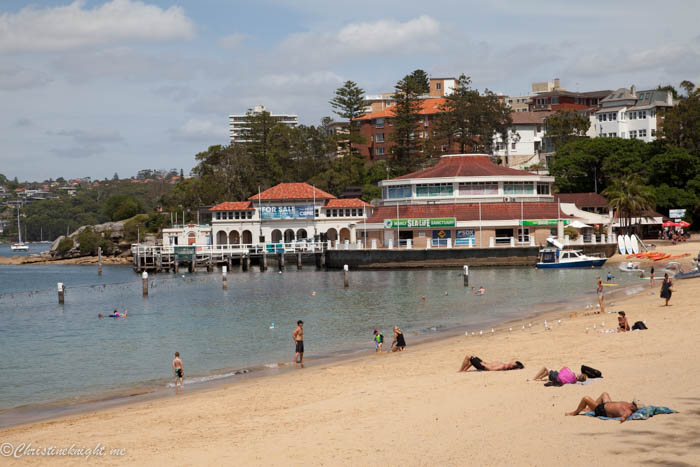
630 199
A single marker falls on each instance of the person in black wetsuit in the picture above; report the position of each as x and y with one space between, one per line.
666 290
399 343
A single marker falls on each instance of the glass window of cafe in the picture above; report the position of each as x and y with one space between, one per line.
399 191
478 188
518 188
434 189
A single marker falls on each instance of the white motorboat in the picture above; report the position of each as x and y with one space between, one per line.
20 245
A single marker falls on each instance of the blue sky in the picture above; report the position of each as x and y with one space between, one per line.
89 88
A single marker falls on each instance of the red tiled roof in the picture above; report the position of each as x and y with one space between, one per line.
593 200
531 118
233 206
476 165
470 212
428 107
346 203
290 191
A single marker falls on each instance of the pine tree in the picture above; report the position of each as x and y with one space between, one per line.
348 103
407 149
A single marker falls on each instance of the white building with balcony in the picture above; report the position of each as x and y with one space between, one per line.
238 124
523 145
631 114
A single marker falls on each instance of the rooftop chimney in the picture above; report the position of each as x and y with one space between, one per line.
633 90
557 83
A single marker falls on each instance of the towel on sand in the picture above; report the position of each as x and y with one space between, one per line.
641 414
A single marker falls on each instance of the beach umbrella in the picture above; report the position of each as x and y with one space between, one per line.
669 224
683 224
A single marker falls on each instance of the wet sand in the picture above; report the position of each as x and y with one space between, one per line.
413 408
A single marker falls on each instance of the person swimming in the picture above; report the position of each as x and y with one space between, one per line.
481 291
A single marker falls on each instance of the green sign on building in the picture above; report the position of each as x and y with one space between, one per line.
545 222
420 223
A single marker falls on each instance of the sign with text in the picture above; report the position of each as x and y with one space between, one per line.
545 222
287 212
676 213
464 236
420 223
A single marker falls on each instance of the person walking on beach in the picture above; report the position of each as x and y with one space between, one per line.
476 362
603 406
651 276
600 296
666 290
378 341
178 372
399 343
298 337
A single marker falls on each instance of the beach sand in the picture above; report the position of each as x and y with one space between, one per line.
413 408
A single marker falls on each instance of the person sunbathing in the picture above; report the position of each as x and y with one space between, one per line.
603 406
480 365
561 377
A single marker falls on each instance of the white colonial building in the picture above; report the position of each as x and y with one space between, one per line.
523 144
631 114
288 212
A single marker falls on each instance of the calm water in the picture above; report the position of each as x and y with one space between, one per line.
34 248
52 352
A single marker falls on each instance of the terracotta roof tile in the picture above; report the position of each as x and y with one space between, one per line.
476 165
531 118
470 212
233 206
291 191
583 199
428 107
346 203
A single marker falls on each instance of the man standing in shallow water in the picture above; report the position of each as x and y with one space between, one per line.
298 337
178 372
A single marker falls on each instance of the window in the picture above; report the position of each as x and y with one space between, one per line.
400 191
643 133
633 134
633 115
478 188
555 100
443 148
328 213
250 214
518 188
434 189
653 132
237 215
380 137
379 151
622 134
539 129
613 116
340 212
438 85
354 213
335 213
543 188
524 235
512 145
218 215
643 114
379 123
652 113
347 213
604 117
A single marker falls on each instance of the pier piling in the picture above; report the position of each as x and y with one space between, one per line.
245 262
263 262
466 275
99 261
61 293
280 261
144 283
346 279
224 270
299 261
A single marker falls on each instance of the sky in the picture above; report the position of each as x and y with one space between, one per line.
90 88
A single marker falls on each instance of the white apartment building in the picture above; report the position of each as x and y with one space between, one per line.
631 114
237 124
524 143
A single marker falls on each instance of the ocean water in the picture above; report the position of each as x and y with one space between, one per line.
34 248
65 353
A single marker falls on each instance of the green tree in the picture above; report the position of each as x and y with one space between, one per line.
122 206
682 122
223 173
421 81
64 246
406 151
564 127
348 103
630 199
471 120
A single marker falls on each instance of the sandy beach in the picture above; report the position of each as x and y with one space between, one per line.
413 408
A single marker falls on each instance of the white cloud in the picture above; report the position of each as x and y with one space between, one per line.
670 58
201 130
14 77
73 26
231 41
82 151
313 79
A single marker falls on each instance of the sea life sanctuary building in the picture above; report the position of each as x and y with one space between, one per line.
464 200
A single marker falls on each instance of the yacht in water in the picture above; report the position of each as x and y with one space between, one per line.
20 245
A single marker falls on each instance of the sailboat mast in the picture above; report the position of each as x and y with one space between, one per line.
19 229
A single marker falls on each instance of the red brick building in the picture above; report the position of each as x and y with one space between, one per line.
567 100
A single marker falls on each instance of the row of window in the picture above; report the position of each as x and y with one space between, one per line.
345 212
223 215
632 115
467 189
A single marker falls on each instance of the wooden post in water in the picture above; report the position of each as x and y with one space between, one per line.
224 269
323 259
99 261
263 261
61 293
245 262
346 279
280 261
466 275
299 261
144 283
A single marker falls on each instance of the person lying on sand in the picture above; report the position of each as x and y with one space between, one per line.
561 377
476 362
603 406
